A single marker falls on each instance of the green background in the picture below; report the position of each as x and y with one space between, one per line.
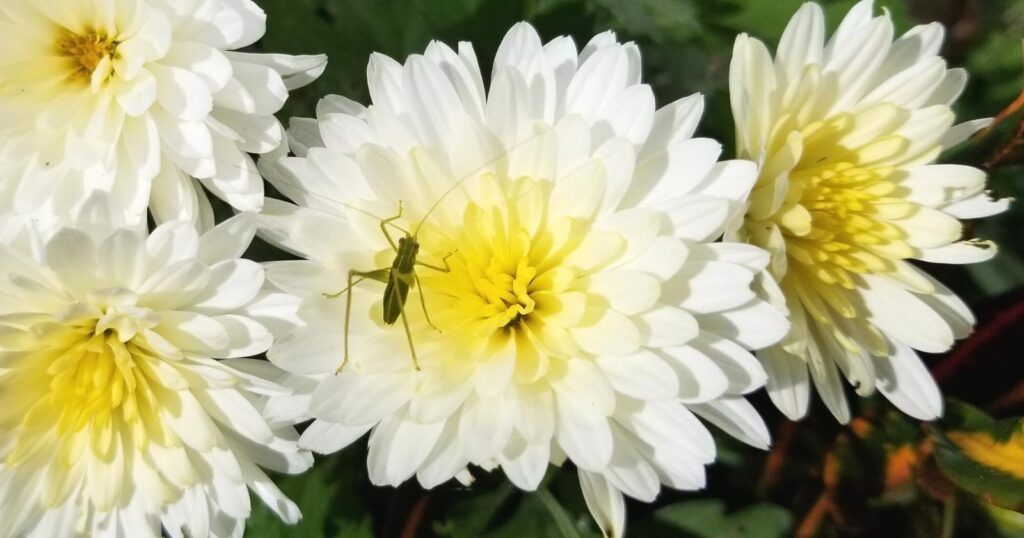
686 46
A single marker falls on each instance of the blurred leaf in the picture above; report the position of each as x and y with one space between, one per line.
1002 274
658 20
558 514
505 512
330 501
707 519
983 455
764 20
996 63
1010 524
471 517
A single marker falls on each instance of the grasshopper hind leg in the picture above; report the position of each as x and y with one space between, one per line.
423 304
408 337
348 316
355 277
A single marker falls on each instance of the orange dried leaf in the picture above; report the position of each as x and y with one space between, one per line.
900 465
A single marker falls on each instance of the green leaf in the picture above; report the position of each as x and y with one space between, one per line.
533 517
764 20
505 512
659 20
1008 523
982 455
472 516
707 518
558 514
330 502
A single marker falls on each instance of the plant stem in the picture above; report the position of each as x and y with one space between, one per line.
949 517
561 518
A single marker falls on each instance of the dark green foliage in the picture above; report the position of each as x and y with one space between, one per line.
707 518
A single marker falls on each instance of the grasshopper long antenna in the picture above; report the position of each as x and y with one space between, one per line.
476 171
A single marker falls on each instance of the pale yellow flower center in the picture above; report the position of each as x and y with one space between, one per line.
503 290
86 52
839 217
501 266
830 221
508 279
92 383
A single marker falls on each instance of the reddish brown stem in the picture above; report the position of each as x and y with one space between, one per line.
412 525
1011 399
777 457
967 351
1010 110
812 522
1006 151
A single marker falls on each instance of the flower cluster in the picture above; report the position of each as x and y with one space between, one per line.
543 269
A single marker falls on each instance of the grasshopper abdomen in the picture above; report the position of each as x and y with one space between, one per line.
400 279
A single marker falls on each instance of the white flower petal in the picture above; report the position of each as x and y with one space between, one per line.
311 349
713 286
788 382
193 332
755 325
605 503
699 378
484 427
802 41
232 284
182 93
906 382
584 435
666 326
906 317
642 375
391 467
738 418
353 400
526 467
326 438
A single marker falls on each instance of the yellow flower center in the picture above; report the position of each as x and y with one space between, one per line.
840 215
509 278
95 380
91 382
832 226
86 52
503 290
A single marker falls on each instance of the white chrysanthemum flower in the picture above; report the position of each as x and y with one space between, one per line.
587 314
847 133
118 418
140 98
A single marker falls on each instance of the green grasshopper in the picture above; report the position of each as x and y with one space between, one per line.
398 280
